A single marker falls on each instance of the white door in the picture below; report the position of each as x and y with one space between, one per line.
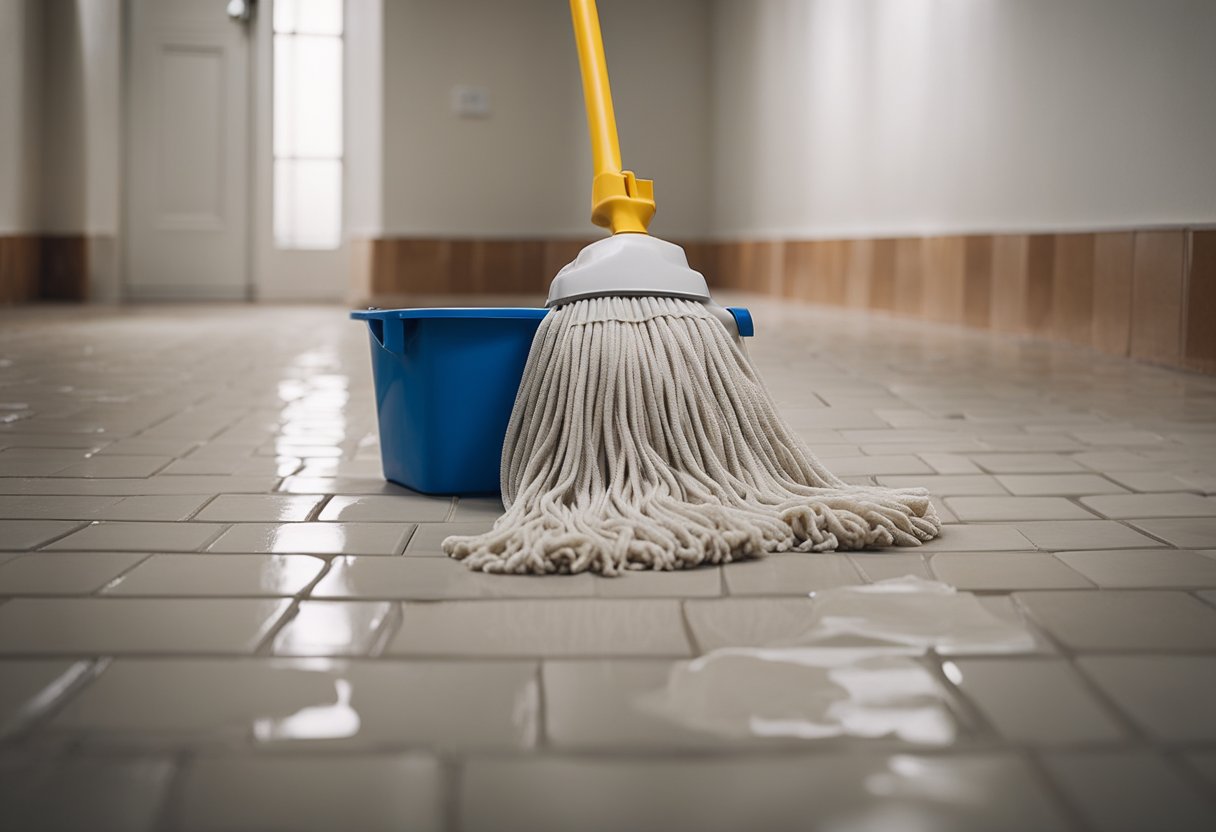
188 152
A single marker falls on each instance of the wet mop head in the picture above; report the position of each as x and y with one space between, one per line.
643 438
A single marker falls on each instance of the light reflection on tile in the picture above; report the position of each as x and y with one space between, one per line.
996 792
388 508
256 508
23 682
807 694
332 628
219 575
445 705
315 538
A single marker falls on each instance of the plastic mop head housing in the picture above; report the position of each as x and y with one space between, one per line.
642 436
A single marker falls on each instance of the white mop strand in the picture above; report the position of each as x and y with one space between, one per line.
642 438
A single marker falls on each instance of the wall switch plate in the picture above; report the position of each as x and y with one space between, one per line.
471 102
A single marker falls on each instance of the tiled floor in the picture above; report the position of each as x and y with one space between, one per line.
214 614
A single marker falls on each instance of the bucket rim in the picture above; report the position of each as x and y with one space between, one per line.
466 312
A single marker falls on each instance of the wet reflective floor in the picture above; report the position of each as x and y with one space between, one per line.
215 615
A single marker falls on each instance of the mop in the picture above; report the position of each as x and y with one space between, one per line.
642 437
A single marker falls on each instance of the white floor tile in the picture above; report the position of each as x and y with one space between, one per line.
1152 505
258 508
1168 697
64 573
84 792
1129 620
101 626
315 538
372 793
20 535
1059 485
120 536
780 794
573 627
354 705
1130 791
1143 568
1032 700
234 576
996 571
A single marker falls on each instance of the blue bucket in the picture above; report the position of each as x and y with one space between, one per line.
446 381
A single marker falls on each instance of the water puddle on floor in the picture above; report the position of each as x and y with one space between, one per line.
856 670
336 720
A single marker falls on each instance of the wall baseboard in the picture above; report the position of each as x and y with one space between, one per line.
43 267
402 267
1147 294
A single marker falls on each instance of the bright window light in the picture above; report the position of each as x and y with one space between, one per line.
308 123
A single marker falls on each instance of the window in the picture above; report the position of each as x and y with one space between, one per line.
308 123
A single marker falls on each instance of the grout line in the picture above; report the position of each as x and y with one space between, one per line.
452 773
316 510
53 697
117 578
388 627
266 644
542 709
207 502
168 815
689 633
1055 792
80 524
933 661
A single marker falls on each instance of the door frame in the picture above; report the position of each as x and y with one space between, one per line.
271 273
124 287
289 275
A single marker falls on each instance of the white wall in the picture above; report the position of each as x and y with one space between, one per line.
100 23
62 189
526 169
81 116
80 131
60 125
20 67
889 117
364 117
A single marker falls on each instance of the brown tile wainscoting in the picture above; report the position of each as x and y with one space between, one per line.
43 267
406 266
1147 294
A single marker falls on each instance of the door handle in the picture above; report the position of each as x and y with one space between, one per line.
240 10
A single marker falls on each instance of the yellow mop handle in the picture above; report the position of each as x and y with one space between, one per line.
619 200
